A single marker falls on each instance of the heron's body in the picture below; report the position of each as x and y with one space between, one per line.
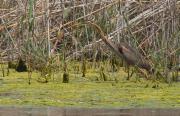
123 50
133 57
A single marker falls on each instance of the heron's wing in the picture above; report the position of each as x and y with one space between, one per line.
130 55
133 51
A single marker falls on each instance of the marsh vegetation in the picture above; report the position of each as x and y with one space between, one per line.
89 53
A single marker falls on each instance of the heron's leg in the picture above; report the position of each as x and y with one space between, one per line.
132 72
129 74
